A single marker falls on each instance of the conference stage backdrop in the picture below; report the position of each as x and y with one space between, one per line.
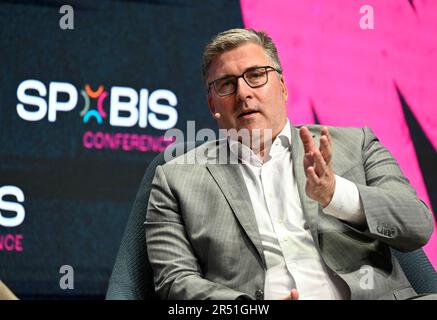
83 110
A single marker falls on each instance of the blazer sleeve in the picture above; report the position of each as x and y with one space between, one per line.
393 212
177 274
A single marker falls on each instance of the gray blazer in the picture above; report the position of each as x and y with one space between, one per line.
203 241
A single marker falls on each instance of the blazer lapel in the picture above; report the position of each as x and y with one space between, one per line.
310 207
231 183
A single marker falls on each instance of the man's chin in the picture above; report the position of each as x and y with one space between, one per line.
252 125
256 131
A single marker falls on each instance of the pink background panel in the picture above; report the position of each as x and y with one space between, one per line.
349 75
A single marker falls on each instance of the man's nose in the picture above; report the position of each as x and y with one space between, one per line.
244 91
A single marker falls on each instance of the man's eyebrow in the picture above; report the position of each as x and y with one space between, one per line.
233 75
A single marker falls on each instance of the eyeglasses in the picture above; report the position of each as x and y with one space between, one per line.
254 77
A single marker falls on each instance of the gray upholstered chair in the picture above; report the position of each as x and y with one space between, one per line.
132 278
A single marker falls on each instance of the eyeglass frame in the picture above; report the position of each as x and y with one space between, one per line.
242 76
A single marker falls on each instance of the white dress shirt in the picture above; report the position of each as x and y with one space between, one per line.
290 252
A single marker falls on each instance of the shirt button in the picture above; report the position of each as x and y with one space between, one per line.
285 238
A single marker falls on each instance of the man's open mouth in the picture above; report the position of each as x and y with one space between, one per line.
247 113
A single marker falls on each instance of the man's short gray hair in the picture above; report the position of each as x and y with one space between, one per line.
235 38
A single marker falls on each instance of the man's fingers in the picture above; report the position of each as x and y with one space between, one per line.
320 164
326 145
325 131
294 295
312 177
320 178
307 139
308 160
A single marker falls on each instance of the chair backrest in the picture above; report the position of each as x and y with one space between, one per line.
418 269
132 277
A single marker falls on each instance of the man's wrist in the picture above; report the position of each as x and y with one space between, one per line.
325 201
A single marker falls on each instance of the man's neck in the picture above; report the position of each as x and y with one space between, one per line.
266 143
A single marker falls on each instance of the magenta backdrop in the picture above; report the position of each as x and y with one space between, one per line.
348 76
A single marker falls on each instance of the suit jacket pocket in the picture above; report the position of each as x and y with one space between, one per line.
348 251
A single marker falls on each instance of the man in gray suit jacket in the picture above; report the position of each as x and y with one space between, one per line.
288 219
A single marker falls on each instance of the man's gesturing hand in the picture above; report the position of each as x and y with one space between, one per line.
317 164
294 295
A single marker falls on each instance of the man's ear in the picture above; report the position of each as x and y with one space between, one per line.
284 88
211 106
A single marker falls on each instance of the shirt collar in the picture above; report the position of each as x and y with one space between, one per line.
284 137
246 155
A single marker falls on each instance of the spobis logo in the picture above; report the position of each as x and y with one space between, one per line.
15 217
127 108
